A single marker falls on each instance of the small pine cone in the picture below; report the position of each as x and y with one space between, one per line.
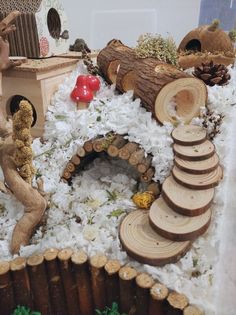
212 74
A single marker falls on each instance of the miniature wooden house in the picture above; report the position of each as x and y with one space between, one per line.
42 29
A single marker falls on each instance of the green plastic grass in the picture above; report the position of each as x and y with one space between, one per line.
110 311
22 310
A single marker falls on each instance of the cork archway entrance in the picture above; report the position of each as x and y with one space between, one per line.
115 146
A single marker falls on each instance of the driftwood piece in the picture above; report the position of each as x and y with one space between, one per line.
69 282
39 284
21 285
189 135
127 150
158 293
112 268
97 264
143 284
127 277
196 152
57 296
177 303
186 201
116 145
174 226
7 303
81 267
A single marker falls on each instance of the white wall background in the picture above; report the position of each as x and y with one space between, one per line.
99 21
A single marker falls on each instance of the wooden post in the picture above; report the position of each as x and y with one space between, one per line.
143 284
21 282
176 303
88 146
97 264
39 284
192 310
127 150
158 295
69 283
56 291
81 267
112 268
127 277
117 144
7 302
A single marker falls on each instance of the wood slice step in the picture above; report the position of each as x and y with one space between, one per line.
186 201
189 135
143 244
201 181
175 226
198 167
196 152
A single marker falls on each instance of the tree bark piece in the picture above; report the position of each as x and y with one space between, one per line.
189 135
127 150
155 188
39 284
196 152
198 167
174 226
69 282
81 267
159 294
192 310
143 284
76 160
57 296
127 277
145 164
112 268
155 82
148 175
97 264
186 201
142 243
7 303
109 59
201 181
125 80
88 146
21 285
117 144
136 157
177 303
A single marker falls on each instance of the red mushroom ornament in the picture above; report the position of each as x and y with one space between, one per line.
85 96
81 80
93 83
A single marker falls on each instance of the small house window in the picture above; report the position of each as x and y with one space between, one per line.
54 23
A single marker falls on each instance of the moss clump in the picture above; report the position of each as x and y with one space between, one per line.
232 35
214 25
155 46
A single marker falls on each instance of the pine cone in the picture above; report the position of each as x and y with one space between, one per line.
212 73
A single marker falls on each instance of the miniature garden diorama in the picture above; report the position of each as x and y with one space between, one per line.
109 199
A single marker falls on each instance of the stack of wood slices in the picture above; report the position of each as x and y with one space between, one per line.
182 213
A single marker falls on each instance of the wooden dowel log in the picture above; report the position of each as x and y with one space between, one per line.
117 144
99 144
147 177
70 167
76 160
7 303
39 284
145 164
69 283
136 157
81 152
81 267
176 303
21 282
143 284
56 291
66 175
158 295
97 264
127 150
88 146
112 268
127 277
155 188
192 310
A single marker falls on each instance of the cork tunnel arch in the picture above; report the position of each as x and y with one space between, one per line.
13 103
54 23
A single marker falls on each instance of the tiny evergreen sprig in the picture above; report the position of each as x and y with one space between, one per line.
110 311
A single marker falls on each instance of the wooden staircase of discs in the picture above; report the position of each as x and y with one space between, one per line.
182 213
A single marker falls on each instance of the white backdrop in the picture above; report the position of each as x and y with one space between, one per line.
99 21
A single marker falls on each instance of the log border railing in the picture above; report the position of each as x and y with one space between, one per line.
67 282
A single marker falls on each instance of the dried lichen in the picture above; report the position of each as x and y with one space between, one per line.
157 47
23 156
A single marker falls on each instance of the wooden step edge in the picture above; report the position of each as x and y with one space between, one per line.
195 172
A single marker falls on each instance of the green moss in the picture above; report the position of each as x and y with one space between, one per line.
214 25
155 46
232 35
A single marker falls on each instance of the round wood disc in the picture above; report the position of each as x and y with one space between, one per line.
196 152
201 181
198 167
186 201
143 244
175 226
189 135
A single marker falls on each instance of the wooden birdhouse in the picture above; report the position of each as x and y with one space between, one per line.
42 29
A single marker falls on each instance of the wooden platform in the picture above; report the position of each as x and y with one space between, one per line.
189 135
198 167
196 152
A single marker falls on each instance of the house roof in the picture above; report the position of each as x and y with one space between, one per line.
24 6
